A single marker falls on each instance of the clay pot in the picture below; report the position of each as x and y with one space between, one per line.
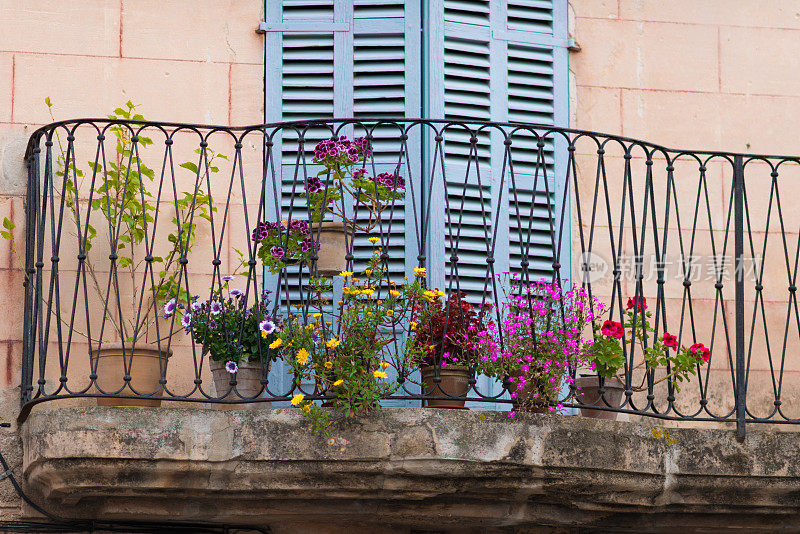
248 385
146 364
332 246
531 399
589 393
455 382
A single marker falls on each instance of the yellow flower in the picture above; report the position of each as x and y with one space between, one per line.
297 399
420 272
306 407
394 293
332 343
317 315
309 327
275 344
345 274
368 272
264 334
379 374
367 291
413 325
355 292
302 356
390 313
440 293
341 302
328 365
384 365
338 382
374 240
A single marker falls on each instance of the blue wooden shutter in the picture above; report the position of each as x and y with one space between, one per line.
342 58
505 61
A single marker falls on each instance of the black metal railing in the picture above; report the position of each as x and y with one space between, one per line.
123 216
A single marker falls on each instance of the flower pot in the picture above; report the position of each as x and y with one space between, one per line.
332 246
248 385
145 362
589 393
455 382
531 399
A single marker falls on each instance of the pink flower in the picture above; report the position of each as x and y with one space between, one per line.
670 341
700 351
639 303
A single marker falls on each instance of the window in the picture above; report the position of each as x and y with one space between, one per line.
482 60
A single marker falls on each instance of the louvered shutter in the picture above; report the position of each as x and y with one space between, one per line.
342 58
505 61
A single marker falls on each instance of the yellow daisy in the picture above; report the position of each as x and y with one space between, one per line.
302 356
338 382
345 274
384 365
374 240
420 272
297 399
394 293
332 343
379 374
328 365
275 344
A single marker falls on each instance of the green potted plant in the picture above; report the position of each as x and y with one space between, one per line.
329 229
122 200
605 355
538 341
346 351
445 344
237 339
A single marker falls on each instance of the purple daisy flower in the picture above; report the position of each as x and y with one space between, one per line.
196 307
169 307
231 367
212 325
186 320
227 278
236 293
216 308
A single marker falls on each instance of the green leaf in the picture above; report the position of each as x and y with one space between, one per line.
6 235
189 165
7 224
48 102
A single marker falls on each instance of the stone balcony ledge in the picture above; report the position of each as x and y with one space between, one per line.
401 468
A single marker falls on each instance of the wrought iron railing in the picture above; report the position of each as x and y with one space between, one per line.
702 235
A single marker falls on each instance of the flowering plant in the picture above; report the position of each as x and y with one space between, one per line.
606 352
284 243
541 333
228 330
347 352
445 332
343 172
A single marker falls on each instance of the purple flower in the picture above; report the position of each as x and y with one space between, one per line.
227 278
212 325
267 326
186 320
277 252
231 367
313 184
216 308
236 293
196 307
169 307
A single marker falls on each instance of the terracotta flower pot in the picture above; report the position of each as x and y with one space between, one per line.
589 393
530 399
145 364
332 246
248 385
455 382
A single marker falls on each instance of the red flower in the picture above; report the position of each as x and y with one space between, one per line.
640 303
700 351
670 341
612 329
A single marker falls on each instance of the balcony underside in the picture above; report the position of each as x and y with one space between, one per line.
402 468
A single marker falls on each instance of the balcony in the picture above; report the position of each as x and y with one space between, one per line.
243 324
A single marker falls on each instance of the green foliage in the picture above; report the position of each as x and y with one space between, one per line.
351 365
122 197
